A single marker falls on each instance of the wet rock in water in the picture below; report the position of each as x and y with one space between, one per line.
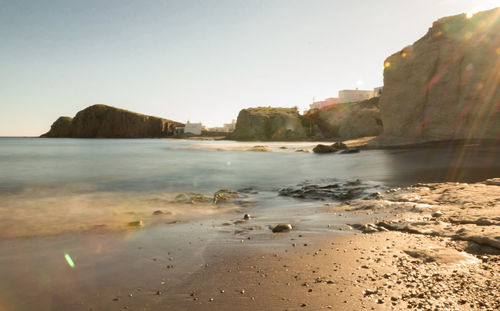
350 150
247 217
137 223
339 145
224 196
283 147
192 198
282 228
200 198
324 149
260 148
324 191
158 212
302 150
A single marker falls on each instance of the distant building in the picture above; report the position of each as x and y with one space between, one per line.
353 96
226 128
230 126
193 128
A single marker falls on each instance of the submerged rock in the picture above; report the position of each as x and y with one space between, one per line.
350 150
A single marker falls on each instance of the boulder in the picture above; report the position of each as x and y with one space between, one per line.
324 149
101 121
445 85
282 228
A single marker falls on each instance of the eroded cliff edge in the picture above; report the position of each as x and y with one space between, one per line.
101 121
446 85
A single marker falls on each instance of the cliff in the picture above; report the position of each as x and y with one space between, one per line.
349 120
269 124
100 121
446 85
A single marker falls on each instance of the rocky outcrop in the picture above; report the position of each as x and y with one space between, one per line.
100 121
446 85
349 120
269 124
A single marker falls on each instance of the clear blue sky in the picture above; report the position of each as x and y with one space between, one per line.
196 60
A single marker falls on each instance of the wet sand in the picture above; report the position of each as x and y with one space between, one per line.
213 265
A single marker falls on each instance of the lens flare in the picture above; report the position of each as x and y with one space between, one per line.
469 15
387 64
69 260
404 54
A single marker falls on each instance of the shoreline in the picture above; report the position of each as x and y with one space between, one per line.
449 260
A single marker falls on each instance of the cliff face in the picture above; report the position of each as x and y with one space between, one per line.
351 120
100 121
446 85
267 124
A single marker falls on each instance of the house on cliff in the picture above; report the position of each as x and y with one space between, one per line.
347 96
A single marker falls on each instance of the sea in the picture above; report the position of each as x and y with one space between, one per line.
50 186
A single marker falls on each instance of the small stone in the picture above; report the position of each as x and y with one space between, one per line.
282 228
242 291
247 217
137 223
211 299
158 293
437 214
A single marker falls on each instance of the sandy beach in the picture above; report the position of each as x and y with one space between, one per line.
419 250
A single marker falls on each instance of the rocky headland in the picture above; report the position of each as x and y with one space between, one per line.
269 124
101 121
446 85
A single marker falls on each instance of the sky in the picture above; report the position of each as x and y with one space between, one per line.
197 60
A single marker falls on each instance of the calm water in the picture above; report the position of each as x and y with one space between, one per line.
66 181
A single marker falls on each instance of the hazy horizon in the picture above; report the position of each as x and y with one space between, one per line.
196 60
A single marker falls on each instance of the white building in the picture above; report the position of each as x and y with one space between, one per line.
193 128
352 96
227 128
